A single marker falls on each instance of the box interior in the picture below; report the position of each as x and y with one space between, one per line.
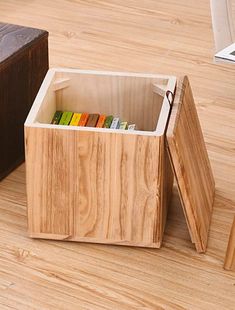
133 98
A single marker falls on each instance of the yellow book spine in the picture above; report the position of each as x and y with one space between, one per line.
75 119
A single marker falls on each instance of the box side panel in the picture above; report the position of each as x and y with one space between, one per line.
94 187
39 64
19 83
51 185
130 98
191 164
166 184
14 108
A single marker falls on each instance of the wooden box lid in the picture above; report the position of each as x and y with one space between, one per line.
190 162
14 38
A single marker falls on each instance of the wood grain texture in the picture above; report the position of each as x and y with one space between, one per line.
191 164
14 38
109 188
23 65
130 96
135 36
229 263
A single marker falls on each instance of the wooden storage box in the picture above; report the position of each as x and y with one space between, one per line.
114 186
23 66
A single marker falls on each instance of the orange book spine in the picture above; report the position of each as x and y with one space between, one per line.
101 121
83 119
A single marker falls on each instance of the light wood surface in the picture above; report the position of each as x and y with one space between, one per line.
136 98
109 188
112 186
191 164
229 263
95 184
142 36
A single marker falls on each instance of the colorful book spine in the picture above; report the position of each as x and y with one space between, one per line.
56 117
66 118
108 121
75 119
123 125
83 119
92 120
132 127
101 121
115 123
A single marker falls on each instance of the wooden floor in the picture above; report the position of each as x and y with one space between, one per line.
167 37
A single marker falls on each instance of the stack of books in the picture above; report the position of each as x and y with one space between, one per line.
90 120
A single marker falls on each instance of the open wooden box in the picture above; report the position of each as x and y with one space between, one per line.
110 185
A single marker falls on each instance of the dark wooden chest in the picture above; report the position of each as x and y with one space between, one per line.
23 65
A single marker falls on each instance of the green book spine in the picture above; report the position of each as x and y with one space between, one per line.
108 121
123 125
66 118
56 117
